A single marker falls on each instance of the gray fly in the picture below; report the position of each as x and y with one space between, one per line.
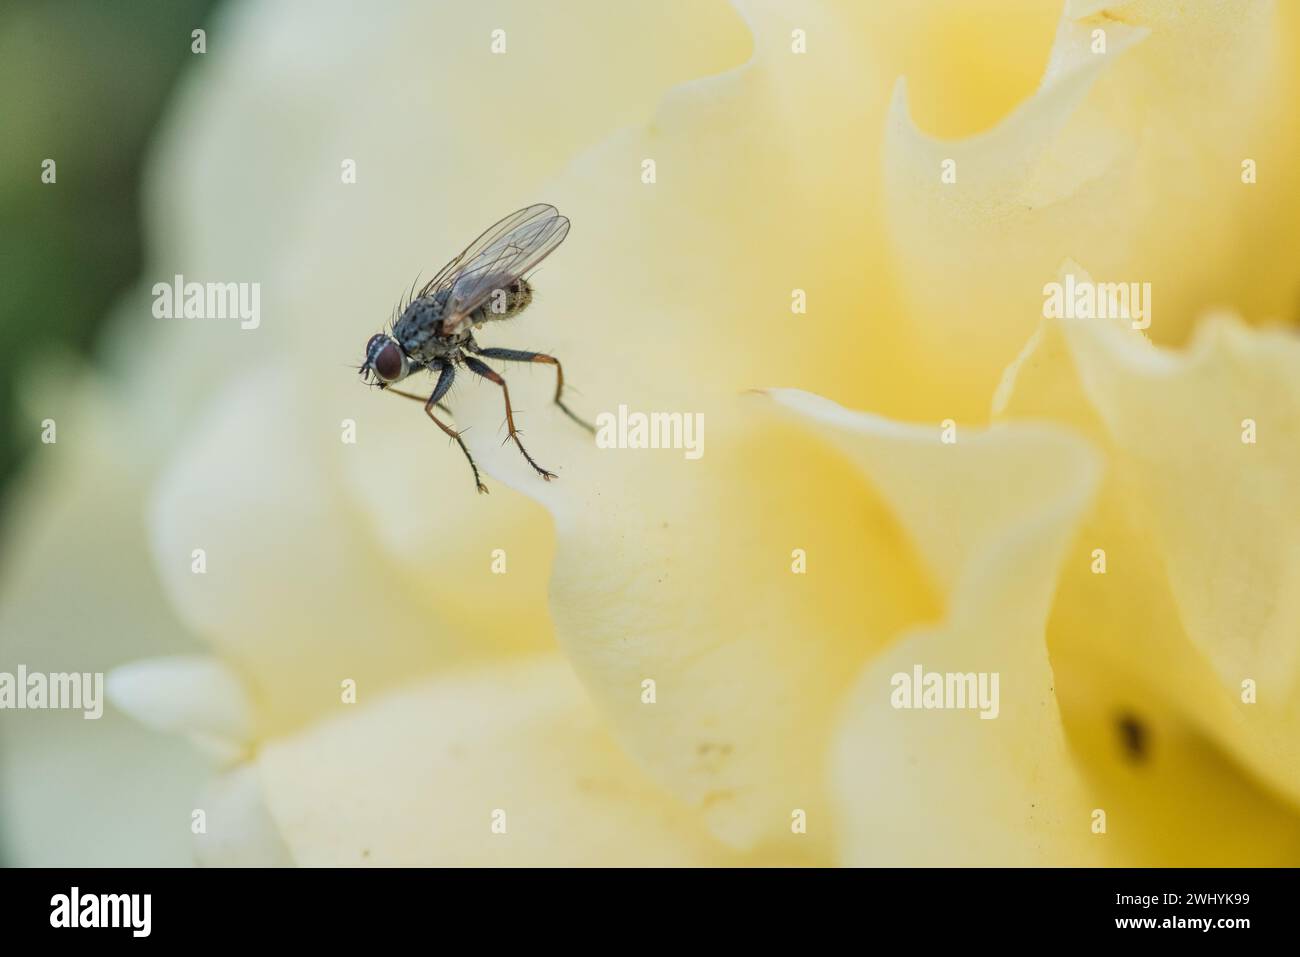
435 327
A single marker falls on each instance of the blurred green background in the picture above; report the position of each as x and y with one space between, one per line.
82 82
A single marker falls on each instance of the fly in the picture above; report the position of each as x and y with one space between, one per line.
435 327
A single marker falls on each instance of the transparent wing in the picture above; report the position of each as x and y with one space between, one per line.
504 253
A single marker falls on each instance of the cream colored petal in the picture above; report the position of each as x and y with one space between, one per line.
193 695
504 766
623 619
76 594
686 572
1150 655
992 515
1101 163
967 64
1081 9
1186 429
294 590
913 468
236 828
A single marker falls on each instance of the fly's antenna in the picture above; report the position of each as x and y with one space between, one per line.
359 370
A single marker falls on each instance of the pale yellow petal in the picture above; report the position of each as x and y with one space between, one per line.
235 828
289 583
507 766
1178 588
1129 158
749 584
199 696
992 514
75 596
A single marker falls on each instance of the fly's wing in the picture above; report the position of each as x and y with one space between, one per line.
494 233
532 234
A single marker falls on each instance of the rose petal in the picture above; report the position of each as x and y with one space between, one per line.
74 598
1094 166
238 830
420 777
991 515
295 593
1150 656
193 695
683 571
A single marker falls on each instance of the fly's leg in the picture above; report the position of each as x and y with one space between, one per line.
515 355
445 379
480 368
417 398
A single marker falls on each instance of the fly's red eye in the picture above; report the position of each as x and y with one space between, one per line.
388 362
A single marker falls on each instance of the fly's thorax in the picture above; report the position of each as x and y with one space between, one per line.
419 327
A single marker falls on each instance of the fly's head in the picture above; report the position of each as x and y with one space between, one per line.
385 362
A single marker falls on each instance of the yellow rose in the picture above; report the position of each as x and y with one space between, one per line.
935 478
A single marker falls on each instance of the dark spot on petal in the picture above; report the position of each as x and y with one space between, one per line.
1134 737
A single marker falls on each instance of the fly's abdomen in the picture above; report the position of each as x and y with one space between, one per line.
505 302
